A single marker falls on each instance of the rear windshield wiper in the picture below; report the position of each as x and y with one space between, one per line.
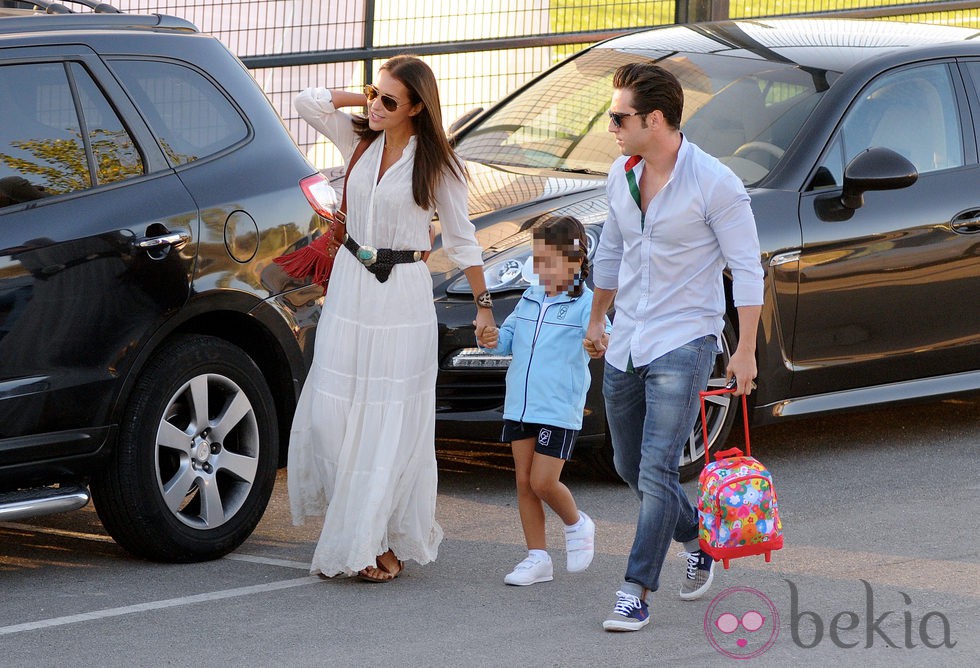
579 170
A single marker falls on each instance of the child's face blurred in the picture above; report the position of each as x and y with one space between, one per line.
555 271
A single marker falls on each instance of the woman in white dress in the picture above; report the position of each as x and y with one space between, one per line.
362 445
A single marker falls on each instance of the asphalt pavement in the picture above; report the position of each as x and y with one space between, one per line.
880 568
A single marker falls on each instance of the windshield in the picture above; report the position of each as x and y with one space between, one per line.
743 111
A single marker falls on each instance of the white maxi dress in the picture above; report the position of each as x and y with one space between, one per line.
362 444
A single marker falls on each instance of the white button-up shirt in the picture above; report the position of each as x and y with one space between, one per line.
669 273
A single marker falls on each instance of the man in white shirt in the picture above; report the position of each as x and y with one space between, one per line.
677 216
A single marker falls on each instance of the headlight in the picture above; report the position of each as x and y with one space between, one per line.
477 358
502 272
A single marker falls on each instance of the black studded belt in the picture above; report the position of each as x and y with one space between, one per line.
379 261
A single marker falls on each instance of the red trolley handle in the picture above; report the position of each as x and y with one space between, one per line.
728 389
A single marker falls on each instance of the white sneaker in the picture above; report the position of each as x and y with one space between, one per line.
580 545
530 571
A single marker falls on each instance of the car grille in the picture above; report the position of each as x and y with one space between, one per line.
469 391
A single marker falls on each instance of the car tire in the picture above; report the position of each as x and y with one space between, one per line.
721 412
184 488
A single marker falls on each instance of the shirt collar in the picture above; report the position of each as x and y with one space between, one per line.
536 293
635 161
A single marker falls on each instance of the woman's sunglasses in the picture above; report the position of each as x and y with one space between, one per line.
389 103
618 116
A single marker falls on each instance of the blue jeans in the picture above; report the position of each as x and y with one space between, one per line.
651 413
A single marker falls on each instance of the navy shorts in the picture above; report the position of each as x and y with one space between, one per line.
552 441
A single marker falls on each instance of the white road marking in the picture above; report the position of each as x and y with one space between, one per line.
268 561
154 605
157 605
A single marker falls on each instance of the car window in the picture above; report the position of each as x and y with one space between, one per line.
913 112
41 147
743 111
115 152
43 138
973 67
189 115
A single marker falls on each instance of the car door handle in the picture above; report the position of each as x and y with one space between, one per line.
967 222
785 258
174 239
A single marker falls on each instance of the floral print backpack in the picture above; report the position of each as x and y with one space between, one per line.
737 506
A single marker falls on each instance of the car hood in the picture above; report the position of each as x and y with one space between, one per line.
497 188
503 200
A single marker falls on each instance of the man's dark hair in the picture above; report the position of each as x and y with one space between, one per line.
653 88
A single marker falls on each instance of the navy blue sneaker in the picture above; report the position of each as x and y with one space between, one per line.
630 614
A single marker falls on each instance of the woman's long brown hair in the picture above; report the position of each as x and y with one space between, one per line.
434 158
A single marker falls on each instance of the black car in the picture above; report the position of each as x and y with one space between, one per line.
857 141
150 349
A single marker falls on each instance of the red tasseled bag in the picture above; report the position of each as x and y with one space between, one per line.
316 258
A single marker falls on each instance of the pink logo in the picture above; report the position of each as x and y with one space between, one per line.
741 623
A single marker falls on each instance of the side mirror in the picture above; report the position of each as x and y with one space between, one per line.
464 119
873 169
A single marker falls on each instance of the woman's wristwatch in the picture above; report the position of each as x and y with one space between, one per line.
484 300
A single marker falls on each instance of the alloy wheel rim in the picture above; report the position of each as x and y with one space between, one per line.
206 451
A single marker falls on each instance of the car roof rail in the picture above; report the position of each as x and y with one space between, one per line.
103 16
58 8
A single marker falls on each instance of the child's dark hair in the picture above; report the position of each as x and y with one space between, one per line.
567 235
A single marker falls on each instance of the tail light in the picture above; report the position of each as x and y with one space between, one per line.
320 194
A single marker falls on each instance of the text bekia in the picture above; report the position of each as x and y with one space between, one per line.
844 628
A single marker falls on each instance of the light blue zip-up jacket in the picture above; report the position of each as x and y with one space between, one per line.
548 377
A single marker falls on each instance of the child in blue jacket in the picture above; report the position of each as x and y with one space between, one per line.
546 386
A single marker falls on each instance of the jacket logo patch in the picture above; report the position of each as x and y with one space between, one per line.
562 312
544 437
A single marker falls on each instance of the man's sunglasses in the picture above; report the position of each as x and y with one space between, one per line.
618 116
389 103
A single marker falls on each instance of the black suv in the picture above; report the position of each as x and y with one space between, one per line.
150 349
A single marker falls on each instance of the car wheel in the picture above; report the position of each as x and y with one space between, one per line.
719 410
195 462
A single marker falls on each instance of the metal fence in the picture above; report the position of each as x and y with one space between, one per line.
480 50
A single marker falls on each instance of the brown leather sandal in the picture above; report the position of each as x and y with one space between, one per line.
365 575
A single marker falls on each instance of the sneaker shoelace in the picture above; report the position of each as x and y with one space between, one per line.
626 604
692 563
